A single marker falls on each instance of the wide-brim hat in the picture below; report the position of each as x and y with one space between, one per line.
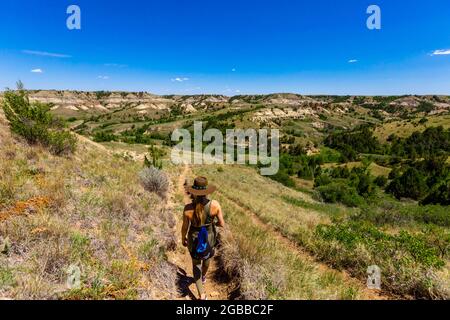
201 187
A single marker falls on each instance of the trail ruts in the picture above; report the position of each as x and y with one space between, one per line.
303 254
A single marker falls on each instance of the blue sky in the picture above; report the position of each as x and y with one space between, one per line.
228 47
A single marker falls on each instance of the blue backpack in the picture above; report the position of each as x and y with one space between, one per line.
202 244
202 249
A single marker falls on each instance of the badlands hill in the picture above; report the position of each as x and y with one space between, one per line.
82 104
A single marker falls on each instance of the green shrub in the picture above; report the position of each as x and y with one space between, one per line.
439 195
358 140
61 142
283 178
104 136
34 122
439 238
381 181
340 192
156 155
410 184
6 277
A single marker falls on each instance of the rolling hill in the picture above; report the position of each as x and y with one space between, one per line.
309 232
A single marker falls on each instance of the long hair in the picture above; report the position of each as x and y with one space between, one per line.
199 208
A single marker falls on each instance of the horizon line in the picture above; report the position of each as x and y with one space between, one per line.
243 94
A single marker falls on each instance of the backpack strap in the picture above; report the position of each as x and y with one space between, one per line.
207 212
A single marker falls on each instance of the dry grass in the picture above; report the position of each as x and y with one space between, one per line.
375 169
403 128
88 210
264 196
296 216
263 266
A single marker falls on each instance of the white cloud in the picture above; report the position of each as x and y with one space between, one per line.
37 71
103 77
441 52
180 79
352 61
46 54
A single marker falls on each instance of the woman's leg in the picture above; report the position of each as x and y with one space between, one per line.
197 270
205 267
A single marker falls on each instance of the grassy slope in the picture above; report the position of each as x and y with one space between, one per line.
375 169
269 267
89 211
403 128
292 213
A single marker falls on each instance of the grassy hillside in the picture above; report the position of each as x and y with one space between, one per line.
404 128
268 264
322 230
358 186
87 210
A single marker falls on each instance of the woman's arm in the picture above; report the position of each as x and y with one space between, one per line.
184 229
219 215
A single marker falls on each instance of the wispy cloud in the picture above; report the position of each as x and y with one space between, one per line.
180 79
115 65
441 52
352 61
46 54
192 89
37 71
103 77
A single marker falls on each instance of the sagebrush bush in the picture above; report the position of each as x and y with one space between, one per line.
155 181
35 123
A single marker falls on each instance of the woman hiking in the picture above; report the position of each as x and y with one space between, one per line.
199 233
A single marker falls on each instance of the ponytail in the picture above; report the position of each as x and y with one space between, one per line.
199 209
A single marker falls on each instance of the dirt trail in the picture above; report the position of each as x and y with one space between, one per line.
217 286
298 251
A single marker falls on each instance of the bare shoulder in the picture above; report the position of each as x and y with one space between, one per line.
188 209
215 207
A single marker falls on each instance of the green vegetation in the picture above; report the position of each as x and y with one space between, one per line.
354 189
88 210
404 258
350 143
156 154
410 243
6 277
434 141
35 123
104 136
408 240
425 180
